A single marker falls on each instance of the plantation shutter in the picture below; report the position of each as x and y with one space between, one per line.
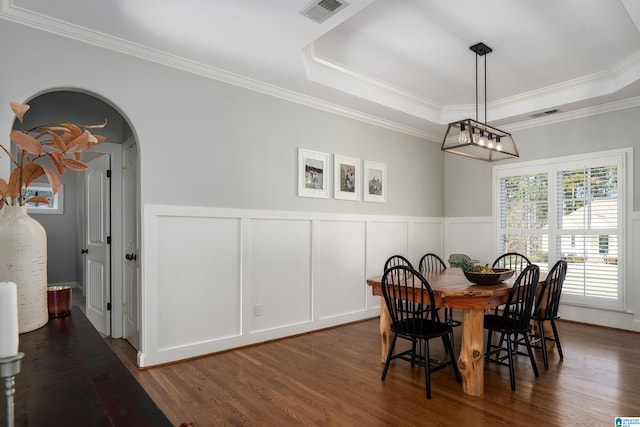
589 229
568 208
523 215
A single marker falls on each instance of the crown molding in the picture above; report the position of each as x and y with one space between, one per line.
82 34
573 115
331 74
324 71
341 78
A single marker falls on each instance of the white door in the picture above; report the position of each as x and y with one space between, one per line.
97 265
131 293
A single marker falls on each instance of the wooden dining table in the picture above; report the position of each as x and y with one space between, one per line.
452 290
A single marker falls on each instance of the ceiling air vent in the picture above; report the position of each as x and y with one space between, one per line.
321 10
543 113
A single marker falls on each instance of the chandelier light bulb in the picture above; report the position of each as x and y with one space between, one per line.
483 139
463 138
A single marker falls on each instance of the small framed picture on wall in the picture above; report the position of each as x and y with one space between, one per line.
347 177
375 182
313 173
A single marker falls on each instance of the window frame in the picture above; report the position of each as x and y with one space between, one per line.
623 159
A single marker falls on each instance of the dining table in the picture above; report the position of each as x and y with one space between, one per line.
452 290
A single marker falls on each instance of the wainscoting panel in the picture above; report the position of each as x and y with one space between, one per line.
474 236
425 237
383 240
339 269
215 279
199 266
280 272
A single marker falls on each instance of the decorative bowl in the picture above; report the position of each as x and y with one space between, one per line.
498 275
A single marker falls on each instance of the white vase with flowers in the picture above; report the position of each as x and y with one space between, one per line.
45 150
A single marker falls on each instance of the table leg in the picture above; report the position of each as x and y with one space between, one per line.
385 330
471 360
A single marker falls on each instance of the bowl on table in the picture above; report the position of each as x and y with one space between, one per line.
498 275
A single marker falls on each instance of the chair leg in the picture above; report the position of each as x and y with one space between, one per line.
531 358
448 318
389 356
448 345
512 374
413 353
489 337
557 338
427 370
543 346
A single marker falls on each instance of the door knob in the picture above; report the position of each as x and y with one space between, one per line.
131 257
84 251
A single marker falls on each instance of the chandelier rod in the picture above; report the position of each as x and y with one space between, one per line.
485 84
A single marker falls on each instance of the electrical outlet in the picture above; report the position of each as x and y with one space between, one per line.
257 310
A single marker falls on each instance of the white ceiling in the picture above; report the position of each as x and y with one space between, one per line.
404 64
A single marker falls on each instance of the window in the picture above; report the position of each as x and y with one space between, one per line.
569 209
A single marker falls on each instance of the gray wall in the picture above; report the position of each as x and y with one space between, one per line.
468 186
203 142
61 231
207 143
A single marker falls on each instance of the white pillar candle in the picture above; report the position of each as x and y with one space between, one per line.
8 319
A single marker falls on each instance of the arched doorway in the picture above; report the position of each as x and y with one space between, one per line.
112 306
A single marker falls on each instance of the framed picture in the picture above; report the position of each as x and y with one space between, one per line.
347 178
375 182
55 205
313 173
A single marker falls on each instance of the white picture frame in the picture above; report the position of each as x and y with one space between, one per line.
56 204
375 182
313 174
347 177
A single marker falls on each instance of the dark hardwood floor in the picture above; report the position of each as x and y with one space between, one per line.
332 378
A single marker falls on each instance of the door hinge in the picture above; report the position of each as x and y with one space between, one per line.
108 240
108 173
108 306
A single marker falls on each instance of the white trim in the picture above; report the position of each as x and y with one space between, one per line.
379 92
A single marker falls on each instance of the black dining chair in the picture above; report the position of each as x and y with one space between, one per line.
513 323
512 261
432 262
548 301
409 321
395 260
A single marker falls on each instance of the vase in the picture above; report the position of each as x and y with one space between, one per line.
23 260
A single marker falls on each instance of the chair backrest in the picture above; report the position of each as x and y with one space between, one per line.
513 261
395 260
549 296
406 293
431 262
519 306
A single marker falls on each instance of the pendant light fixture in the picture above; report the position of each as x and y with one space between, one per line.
474 139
